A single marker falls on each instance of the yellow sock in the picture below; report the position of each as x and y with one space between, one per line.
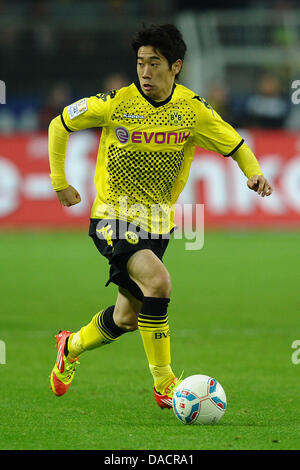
75 347
163 376
93 335
155 333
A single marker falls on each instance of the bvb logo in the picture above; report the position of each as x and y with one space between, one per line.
175 118
132 238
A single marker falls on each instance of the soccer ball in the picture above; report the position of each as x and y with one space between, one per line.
199 399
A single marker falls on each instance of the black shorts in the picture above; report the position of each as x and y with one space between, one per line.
117 241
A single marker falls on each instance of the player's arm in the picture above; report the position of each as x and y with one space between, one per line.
58 138
83 114
213 133
249 165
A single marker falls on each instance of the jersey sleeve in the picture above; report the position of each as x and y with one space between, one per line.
212 132
87 112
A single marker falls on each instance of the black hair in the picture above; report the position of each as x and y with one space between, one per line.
165 38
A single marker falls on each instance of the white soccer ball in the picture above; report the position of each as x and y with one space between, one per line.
199 399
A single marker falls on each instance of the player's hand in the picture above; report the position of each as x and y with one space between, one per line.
69 196
260 184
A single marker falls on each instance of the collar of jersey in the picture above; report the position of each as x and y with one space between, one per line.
156 104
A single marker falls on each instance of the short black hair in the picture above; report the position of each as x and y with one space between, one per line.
165 38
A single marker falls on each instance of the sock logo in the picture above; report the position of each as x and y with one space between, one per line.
162 334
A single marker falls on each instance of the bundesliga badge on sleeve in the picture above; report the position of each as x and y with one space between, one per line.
77 108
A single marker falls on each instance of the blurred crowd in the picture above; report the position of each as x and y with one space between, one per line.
31 114
267 107
46 69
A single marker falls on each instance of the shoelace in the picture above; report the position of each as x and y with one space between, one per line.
70 368
173 385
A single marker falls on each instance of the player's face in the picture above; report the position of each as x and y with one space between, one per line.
155 76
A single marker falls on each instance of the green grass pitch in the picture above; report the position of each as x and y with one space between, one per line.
234 314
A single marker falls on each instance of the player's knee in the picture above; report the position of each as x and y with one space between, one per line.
160 285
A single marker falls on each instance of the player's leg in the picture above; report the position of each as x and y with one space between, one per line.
126 310
104 328
107 325
152 277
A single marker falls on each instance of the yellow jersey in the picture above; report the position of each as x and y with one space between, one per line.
146 150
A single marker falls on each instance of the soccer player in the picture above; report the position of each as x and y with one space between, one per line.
149 133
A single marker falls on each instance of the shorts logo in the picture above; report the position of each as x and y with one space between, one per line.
106 233
131 237
122 134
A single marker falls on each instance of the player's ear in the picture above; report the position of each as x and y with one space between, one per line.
176 67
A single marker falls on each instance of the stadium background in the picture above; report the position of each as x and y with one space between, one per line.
243 60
